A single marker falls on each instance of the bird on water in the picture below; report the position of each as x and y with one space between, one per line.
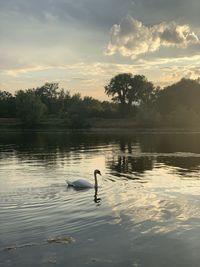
82 183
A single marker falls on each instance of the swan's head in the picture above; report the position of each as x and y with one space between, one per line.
97 172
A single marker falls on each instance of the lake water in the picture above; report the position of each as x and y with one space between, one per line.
146 211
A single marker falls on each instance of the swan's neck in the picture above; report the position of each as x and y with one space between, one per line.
95 181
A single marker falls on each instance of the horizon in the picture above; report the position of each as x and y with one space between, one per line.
83 45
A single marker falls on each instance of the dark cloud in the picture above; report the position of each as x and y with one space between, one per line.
93 13
104 13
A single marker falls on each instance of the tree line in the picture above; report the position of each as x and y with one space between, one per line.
50 101
133 97
176 105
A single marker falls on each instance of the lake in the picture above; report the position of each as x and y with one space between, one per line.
146 211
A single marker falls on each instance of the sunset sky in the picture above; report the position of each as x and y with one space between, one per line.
82 44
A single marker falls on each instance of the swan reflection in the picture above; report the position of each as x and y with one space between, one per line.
96 198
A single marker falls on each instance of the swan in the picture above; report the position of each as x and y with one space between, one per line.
81 183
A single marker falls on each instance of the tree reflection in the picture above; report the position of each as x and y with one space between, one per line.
127 160
50 149
129 165
183 165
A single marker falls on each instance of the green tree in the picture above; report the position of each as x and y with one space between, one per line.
7 105
185 93
63 103
30 108
92 107
75 115
49 94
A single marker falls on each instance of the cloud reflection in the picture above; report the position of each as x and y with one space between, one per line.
150 213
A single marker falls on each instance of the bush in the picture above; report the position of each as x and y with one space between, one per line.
183 117
76 121
147 117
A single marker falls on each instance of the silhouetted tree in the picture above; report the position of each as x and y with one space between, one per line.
131 91
142 91
118 88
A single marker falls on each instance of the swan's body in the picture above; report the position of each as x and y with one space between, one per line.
82 183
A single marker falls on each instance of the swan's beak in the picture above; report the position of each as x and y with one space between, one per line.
100 173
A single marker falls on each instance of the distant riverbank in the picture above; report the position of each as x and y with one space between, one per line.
94 125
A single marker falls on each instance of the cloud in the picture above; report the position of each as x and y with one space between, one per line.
131 38
18 71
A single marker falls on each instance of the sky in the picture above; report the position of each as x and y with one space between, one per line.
82 44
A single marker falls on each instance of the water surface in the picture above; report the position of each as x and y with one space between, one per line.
146 211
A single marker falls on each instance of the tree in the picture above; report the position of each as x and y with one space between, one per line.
63 102
29 107
141 91
182 116
185 93
118 88
7 105
49 94
92 107
131 91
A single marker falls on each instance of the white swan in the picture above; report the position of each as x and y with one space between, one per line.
81 183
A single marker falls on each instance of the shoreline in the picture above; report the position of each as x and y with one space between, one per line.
97 125
103 130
